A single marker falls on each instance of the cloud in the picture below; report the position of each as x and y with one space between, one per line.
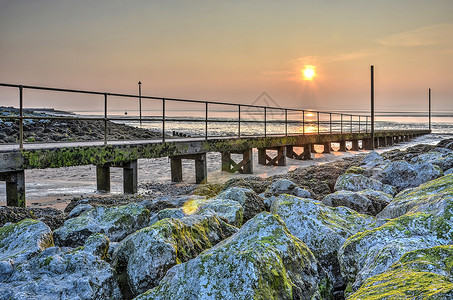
425 36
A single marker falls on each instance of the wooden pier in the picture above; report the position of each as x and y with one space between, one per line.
124 155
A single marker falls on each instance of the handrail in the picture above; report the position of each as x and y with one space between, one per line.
351 123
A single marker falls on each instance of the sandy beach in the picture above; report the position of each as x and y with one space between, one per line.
56 187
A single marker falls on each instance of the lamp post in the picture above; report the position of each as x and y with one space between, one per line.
140 101
429 109
372 107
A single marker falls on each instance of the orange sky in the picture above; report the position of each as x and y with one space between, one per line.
234 50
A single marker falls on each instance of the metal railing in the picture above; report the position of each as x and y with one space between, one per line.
305 121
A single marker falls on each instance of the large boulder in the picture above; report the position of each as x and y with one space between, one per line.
366 202
262 261
280 186
374 160
143 258
115 222
232 211
250 201
62 274
372 252
432 197
358 182
403 175
419 274
445 162
323 229
23 240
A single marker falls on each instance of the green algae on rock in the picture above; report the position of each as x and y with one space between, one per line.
143 258
358 182
115 222
231 210
434 196
420 274
23 240
372 252
250 201
323 229
262 261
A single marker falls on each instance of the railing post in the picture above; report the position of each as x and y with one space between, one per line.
286 122
351 124
359 124
303 122
105 120
206 122
317 116
239 120
265 122
341 123
330 122
21 117
163 120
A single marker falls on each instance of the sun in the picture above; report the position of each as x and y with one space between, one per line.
309 72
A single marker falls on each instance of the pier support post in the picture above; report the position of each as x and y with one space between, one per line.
201 168
130 177
244 167
326 147
279 160
176 169
389 140
382 142
355 145
15 188
342 146
201 171
367 145
312 148
304 155
103 178
376 143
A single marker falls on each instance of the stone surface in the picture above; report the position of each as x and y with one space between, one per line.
403 175
262 261
366 202
358 182
23 240
143 258
115 222
301 193
98 245
431 197
231 210
58 274
78 210
373 160
323 229
176 213
372 252
280 186
419 274
250 201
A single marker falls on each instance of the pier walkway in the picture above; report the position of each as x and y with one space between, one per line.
16 158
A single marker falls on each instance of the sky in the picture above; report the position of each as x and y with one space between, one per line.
233 51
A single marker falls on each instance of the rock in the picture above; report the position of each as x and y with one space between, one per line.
78 210
447 143
52 217
176 213
374 159
427 157
445 162
449 171
366 202
403 175
280 186
23 240
230 210
301 193
57 274
250 201
262 261
323 229
422 273
115 222
357 182
6 269
431 197
372 252
143 258
98 245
